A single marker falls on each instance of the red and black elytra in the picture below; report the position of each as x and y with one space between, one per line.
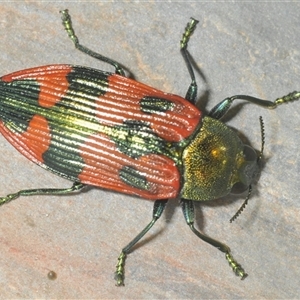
106 130
89 126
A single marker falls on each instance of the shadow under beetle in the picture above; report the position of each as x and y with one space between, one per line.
104 129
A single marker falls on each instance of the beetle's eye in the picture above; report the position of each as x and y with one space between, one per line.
249 153
239 188
247 171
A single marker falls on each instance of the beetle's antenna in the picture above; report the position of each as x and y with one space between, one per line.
262 131
243 205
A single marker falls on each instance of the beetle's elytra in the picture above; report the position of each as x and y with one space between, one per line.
106 130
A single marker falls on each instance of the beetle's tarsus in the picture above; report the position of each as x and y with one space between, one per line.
119 274
236 267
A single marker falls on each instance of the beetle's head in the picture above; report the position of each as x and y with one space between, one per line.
248 170
251 171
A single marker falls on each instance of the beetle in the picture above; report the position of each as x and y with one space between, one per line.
106 130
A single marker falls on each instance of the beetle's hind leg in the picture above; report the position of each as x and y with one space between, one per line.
158 208
77 186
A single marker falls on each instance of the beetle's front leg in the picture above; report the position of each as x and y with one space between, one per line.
221 108
188 212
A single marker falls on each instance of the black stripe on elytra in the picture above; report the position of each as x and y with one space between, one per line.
136 138
18 103
155 105
132 177
88 82
76 107
63 155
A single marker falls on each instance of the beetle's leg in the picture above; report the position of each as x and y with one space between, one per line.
221 108
188 212
158 209
77 186
192 90
67 23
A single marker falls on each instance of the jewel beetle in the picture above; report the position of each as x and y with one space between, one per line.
106 130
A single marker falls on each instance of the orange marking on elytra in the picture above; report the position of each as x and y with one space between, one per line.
37 137
52 82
